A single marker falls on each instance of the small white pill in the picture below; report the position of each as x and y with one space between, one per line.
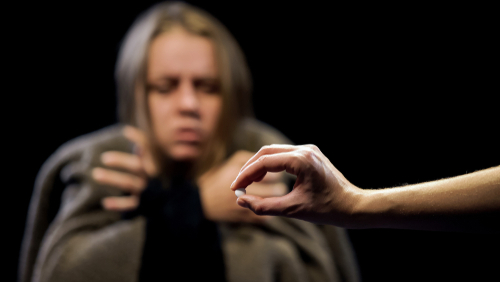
240 192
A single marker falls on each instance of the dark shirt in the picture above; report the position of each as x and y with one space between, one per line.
181 244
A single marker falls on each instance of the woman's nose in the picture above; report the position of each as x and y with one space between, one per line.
188 101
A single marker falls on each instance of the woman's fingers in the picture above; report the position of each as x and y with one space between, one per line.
123 160
124 203
138 166
137 137
124 181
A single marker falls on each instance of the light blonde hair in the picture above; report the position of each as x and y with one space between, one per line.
131 67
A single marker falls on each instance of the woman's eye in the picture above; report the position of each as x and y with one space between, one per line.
163 88
208 86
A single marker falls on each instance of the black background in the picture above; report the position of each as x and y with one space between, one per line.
391 94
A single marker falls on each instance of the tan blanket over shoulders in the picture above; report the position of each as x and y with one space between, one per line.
87 243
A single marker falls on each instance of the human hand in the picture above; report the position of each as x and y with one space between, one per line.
321 193
218 201
140 167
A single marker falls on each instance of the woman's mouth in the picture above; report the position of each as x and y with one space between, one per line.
188 135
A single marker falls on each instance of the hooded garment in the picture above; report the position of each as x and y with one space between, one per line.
70 237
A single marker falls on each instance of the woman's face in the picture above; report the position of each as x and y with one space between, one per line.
183 93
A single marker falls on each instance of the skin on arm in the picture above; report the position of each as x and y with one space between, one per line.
468 203
323 195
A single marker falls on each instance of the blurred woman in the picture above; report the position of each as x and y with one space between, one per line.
150 200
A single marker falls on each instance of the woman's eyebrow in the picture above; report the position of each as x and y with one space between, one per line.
164 78
208 77
175 78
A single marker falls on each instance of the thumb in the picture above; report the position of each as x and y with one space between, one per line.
263 206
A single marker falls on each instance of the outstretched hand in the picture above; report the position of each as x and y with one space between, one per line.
321 193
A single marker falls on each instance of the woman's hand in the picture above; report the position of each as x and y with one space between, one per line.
139 168
219 202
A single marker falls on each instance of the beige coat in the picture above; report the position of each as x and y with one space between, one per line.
80 241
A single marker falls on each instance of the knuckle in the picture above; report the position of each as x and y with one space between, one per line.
308 154
313 147
262 159
266 148
259 209
301 160
297 157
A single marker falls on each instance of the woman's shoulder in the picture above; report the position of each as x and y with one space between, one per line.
104 139
251 134
103 136
107 136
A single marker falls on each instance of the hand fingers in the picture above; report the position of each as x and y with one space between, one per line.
135 135
143 148
124 203
123 160
265 206
291 162
267 190
271 149
124 181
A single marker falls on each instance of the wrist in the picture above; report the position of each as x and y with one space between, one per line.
369 209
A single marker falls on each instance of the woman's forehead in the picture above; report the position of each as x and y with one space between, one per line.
180 53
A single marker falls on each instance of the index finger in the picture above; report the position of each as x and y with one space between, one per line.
122 160
289 161
267 150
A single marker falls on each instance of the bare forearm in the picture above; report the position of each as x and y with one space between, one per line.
469 203
321 194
